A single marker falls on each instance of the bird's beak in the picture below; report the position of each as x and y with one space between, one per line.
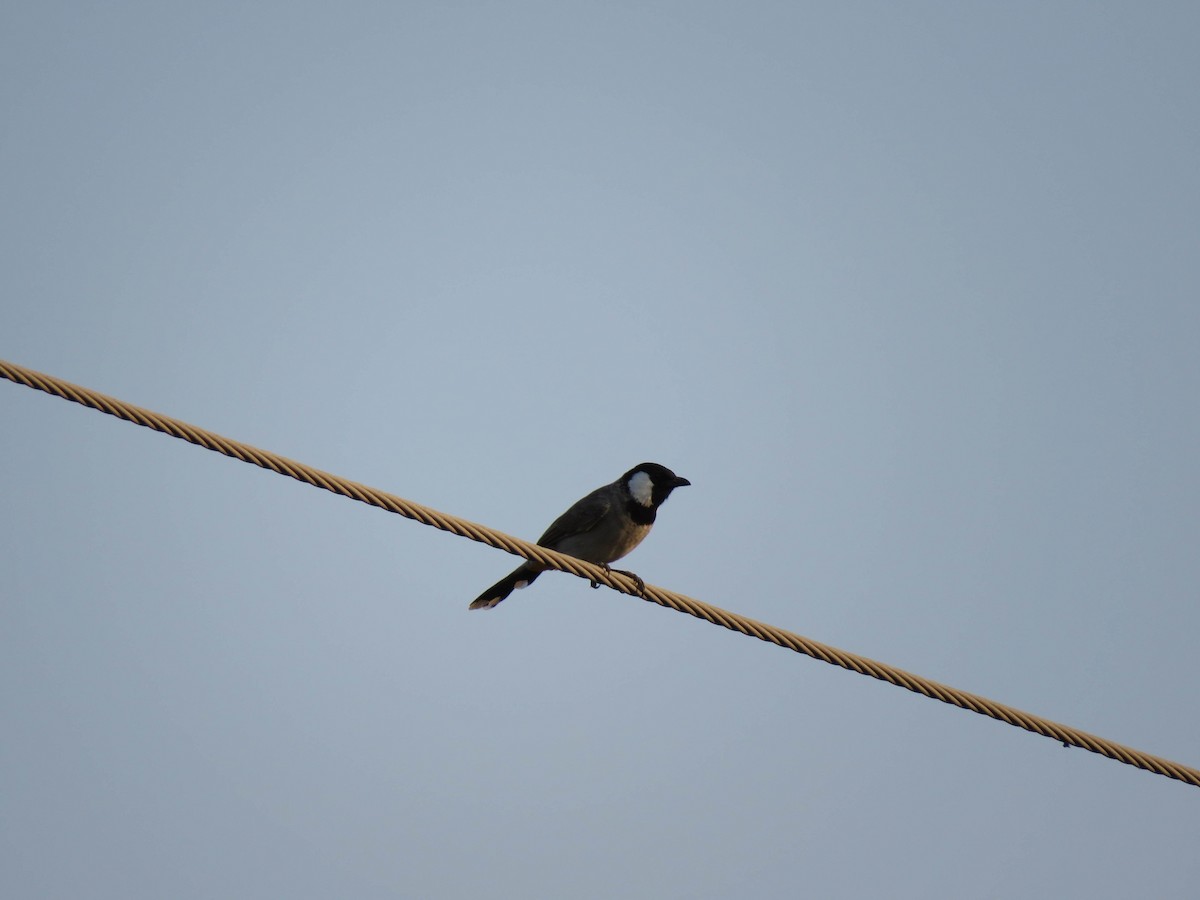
681 482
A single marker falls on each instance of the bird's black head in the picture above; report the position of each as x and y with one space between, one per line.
651 484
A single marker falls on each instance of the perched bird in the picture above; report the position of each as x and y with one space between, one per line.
601 528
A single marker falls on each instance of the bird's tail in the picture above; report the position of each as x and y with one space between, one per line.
518 578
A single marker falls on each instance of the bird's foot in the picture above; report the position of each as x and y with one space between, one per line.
641 585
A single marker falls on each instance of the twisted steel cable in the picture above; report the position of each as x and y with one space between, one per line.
1069 737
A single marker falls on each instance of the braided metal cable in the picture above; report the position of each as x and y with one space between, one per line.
680 603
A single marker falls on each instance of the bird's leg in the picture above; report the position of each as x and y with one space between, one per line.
641 585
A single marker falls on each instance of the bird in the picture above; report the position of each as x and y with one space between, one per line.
601 528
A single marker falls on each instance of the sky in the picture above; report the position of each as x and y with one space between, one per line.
908 291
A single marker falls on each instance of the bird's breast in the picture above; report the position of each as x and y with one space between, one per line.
612 539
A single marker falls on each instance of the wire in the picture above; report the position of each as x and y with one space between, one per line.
1069 737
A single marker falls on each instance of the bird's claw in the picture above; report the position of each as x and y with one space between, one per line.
641 585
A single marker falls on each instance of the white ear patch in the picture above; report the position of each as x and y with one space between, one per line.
641 488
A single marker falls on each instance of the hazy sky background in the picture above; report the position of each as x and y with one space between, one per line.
907 290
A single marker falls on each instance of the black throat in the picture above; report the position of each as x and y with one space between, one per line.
642 515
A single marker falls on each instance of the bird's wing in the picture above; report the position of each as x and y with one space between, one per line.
580 518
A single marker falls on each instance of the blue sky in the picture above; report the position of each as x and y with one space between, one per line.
907 291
